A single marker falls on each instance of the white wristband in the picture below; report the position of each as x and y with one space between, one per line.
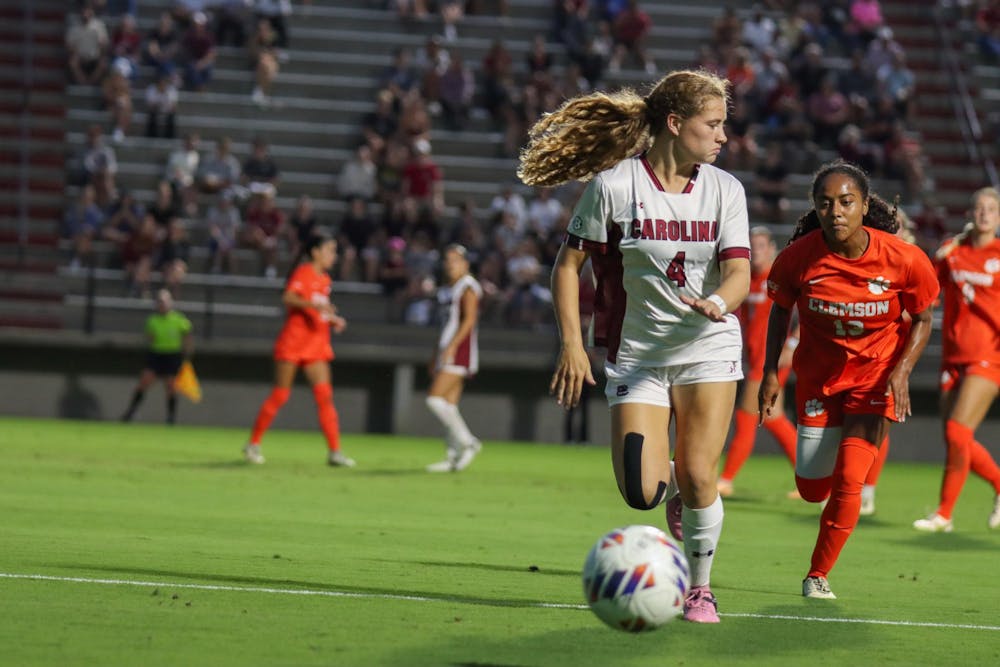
791 342
718 301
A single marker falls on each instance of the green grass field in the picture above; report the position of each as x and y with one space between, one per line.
159 546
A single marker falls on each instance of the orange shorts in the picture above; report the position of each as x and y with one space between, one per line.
815 409
952 374
302 353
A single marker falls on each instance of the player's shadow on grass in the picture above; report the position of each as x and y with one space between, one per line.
334 589
947 542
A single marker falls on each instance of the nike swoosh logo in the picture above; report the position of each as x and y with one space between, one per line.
877 402
813 281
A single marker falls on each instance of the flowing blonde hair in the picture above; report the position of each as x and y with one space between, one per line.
594 132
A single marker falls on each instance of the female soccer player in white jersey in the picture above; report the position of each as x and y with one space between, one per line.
669 239
457 359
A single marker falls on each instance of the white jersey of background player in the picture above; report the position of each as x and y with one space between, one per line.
466 359
670 244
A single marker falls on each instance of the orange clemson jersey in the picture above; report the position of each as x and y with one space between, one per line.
971 291
753 313
305 337
851 310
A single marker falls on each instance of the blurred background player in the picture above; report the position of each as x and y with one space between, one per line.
169 334
851 278
456 359
970 364
753 318
665 291
304 342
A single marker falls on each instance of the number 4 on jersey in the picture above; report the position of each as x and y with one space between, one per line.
675 270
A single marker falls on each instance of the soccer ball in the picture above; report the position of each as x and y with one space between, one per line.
636 578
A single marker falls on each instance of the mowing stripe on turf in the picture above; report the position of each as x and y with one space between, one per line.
423 598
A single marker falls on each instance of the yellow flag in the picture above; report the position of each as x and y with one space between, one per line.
186 383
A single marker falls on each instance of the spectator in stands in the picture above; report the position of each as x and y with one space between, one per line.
393 274
124 217
389 176
904 158
82 224
930 222
137 256
880 50
727 31
810 70
769 72
540 62
224 226
302 224
163 45
381 124
165 208
866 19
220 171
829 111
853 148
400 77
118 100
544 212
740 72
182 165
759 31
452 13
161 107
528 303
230 22
184 11
170 343
87 45
770 185
988 30
496 81
410 9
172 256
858 84
264 60
275 12
456 89
126 46
415 118
260 169
898 83
358 176
265 225
199 51
353 236
467 232
423 182
432 61
511 202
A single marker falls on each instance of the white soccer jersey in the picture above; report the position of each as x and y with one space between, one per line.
450 301
650 246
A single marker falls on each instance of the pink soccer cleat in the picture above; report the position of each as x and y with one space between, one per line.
674 509
700 606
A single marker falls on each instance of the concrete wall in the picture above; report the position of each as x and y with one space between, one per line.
94 380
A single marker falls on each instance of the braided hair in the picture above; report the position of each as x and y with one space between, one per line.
881 215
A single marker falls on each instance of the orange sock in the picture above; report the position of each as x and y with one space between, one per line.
277 398
329 422
783 430
983 465
959 438
837 522
876 471
741 444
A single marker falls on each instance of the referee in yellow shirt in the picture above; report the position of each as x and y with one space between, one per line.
169 334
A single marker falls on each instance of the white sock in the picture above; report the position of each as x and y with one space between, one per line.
868 493
449 416
702 530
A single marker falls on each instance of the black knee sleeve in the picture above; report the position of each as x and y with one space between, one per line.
633 475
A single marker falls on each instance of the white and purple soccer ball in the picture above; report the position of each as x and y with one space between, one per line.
636 578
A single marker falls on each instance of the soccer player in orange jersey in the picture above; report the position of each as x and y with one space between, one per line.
851 279
970 366
304 342
753 318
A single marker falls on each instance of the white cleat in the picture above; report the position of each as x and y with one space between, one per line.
994 520
935 523
817 588
466 453
448 465
867 506
339 460
252 453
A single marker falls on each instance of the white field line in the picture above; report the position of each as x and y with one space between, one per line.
422 598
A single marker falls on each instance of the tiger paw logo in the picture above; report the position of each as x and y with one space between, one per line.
878 285
814 408
992 265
